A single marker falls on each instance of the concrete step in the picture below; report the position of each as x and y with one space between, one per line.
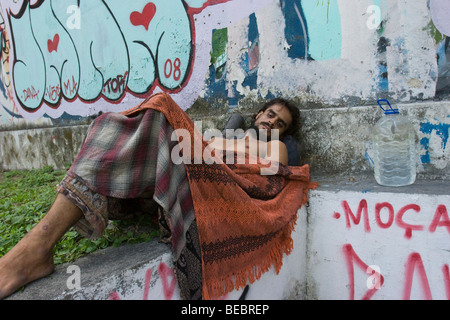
144 272
366 241
354 240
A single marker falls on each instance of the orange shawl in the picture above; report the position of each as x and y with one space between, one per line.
244 219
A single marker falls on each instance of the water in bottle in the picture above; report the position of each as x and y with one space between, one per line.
394 149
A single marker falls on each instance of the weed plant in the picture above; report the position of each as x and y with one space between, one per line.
26 196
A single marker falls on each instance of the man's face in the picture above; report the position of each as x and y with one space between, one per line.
276 117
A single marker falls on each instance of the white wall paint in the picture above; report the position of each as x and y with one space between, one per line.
333 273
345 63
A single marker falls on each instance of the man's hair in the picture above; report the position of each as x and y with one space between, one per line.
295 113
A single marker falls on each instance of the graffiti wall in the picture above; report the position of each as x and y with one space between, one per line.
82 57
75 58
145 271
379 245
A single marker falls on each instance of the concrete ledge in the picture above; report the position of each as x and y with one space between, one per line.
365 183
144 272
37 148
335 140
355 240
371 242
100 273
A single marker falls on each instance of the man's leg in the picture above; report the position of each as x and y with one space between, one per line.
32 257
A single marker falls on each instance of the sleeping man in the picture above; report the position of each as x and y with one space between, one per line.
126 158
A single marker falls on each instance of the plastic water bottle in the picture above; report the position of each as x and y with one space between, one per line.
394 149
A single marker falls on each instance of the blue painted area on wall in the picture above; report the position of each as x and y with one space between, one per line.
296 31
441 129
251 60
12 114
324 28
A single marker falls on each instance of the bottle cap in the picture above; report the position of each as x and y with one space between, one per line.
387 111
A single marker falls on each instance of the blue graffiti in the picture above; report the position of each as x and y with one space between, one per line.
3 90
322 21
112 49
296 31
441 129
12 114
251 59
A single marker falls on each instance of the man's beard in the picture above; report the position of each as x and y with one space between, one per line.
261 134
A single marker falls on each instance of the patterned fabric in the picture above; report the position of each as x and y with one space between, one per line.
99 209
93 205
114 156
188 266
244 219
125 158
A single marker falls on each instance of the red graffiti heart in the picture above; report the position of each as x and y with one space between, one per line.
145 17
52 45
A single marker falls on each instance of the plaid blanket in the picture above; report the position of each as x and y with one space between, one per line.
244 219
228 223
129 158
122 169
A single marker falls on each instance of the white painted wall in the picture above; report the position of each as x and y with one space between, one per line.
342 42
339 255
333 250
332 253
341 39
155 280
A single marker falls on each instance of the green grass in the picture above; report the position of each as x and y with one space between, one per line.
26 196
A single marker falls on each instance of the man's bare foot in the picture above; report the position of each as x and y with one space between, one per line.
26 262
32 257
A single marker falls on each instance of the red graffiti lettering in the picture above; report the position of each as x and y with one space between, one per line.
52 93
414 269
408 227
446 272
30 93
148 277
70 88
356 219
415 262
117 84
353 259
440 219
175 67
385 217
168 288
391 212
